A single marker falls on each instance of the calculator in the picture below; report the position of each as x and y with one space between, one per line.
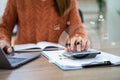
90 53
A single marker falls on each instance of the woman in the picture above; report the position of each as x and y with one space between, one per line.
42 20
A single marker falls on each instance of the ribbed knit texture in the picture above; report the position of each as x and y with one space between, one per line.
37 21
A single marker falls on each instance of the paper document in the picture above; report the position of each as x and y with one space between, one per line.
65 63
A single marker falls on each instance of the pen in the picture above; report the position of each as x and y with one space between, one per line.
53 49
93 64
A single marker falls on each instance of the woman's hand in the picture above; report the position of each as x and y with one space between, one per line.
77 43
5 46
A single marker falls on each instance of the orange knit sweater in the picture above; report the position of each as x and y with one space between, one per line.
37 21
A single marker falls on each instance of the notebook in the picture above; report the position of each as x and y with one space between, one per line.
40 46
10 62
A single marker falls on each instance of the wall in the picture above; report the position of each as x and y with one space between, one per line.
113 20
89 9
109 37
2 6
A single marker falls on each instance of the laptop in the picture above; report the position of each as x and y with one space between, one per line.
10 62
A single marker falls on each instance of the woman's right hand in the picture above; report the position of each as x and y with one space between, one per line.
5 46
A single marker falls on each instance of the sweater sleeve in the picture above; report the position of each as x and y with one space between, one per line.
8 21
76 25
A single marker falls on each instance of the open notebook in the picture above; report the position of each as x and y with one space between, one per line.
66 63
40 46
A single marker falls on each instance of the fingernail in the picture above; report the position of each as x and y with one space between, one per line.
78 49
9 50
72 48
66 50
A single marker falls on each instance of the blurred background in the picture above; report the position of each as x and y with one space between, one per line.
101 19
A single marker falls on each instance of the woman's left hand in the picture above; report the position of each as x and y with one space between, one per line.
77 43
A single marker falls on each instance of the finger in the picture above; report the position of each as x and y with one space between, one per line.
87 45
73 40
83 44
6 47
68 45
68 49
78 44
78 47
9 50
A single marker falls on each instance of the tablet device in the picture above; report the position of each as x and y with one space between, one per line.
83 54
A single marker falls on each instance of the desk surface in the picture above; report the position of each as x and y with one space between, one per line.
41 69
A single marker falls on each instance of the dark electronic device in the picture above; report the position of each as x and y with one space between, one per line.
83 54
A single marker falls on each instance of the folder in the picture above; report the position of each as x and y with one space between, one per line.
65 63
